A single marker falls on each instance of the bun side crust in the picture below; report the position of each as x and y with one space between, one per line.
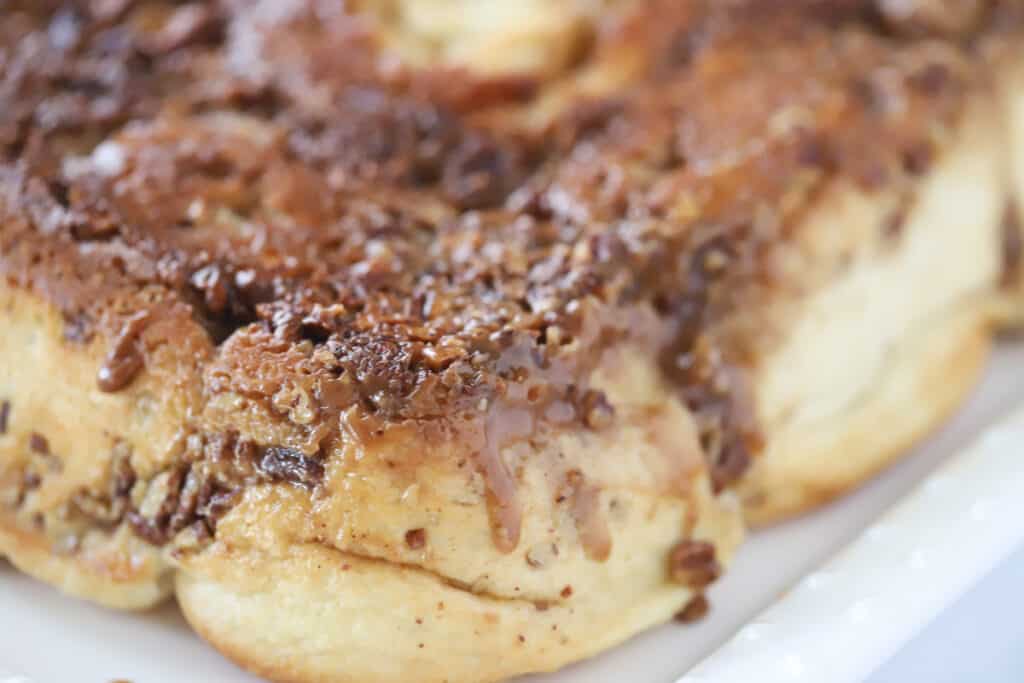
896 339
619 531
387 621
1012 87
72 455
921 383
1015 100
604 512
123 574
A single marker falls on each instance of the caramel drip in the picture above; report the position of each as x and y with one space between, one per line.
591 523
502 429
678 456
1013 245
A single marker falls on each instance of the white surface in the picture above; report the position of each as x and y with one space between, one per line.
953 648
53 639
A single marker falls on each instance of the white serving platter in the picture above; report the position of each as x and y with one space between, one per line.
48 638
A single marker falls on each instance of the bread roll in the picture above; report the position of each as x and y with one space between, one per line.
393 368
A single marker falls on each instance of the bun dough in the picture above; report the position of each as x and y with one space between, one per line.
897 338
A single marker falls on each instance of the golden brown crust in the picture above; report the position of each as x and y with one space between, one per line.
1010 56
445 244
399 622
924 382
72 455
121 573
603 512
868 344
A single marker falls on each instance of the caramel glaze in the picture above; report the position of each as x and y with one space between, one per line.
408 250
1013 246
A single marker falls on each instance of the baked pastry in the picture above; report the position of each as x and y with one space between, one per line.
270 337
384 365
1008 55
922 358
